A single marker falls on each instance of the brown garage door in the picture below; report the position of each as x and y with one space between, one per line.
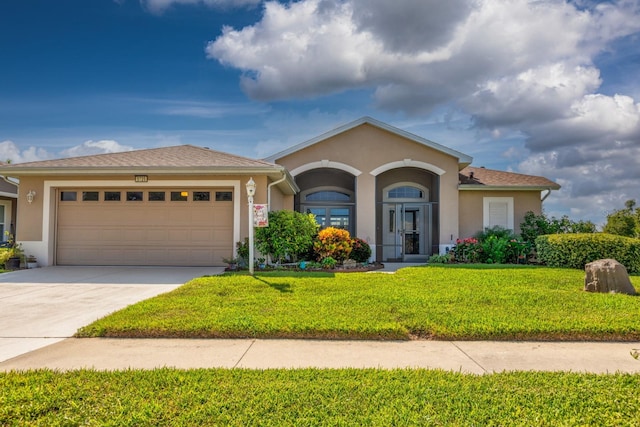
190 227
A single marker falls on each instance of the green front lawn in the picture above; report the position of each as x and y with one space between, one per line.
311 397
452 302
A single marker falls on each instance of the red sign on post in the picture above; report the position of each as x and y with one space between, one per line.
260 215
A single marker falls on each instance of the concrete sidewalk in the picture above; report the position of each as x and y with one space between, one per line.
477 357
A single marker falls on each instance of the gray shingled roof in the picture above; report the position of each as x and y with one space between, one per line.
481 178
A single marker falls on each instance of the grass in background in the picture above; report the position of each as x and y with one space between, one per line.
460 302
311 397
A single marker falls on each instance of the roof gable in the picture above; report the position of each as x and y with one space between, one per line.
463 159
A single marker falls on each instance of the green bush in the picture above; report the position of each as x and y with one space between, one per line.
328 262
439 259
576 250
289 235
360 250
5 254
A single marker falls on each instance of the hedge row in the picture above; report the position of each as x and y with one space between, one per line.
576 250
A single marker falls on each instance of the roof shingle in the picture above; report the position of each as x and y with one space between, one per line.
482 177
181 156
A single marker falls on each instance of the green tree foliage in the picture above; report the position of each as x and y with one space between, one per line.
288 236
538 225
624 222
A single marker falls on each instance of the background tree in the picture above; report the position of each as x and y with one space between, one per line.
624 222
539 225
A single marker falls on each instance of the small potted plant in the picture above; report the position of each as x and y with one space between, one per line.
232 263
32 262
261 263
15 257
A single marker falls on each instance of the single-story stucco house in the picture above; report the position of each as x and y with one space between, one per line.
185 205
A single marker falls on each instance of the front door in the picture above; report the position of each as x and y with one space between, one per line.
406 238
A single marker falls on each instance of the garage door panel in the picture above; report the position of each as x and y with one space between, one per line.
144 233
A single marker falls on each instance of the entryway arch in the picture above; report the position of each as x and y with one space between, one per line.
330 195
407 215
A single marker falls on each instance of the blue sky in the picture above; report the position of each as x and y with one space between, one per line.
545 87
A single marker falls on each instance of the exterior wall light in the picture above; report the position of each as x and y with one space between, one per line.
30 196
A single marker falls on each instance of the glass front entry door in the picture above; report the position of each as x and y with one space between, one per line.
406 237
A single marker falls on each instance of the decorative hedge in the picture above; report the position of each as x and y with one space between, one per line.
576 250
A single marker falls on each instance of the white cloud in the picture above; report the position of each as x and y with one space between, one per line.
207 110
159 6
89 148
514 66
10 152
438 52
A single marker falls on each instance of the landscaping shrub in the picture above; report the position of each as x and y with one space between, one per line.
576 250
328 262
467 250
439 259
242 249
333 242
495 245
494 250
360 250
289 235
5 254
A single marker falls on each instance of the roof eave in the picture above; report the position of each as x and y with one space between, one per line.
210 170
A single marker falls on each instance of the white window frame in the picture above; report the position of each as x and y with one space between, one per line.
486 202
6 219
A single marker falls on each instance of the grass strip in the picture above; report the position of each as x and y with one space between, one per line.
311 397
449 303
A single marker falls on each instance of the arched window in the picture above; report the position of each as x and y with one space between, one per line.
327 196
332 207
405 192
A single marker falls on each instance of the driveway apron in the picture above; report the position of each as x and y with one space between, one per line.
42 306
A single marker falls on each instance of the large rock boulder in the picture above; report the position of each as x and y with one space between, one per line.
607 275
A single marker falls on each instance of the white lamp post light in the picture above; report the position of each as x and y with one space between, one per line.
251 191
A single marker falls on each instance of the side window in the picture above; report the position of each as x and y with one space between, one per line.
111 196
68 196
498 212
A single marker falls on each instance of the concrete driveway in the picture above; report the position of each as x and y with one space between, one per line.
42 306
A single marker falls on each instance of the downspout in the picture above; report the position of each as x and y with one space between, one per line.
546 195
284 177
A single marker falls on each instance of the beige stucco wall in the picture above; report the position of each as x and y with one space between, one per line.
366 148
471 208
29 221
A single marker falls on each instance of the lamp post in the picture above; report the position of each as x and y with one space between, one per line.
251 191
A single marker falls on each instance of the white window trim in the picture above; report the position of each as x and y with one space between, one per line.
7 218
486 201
